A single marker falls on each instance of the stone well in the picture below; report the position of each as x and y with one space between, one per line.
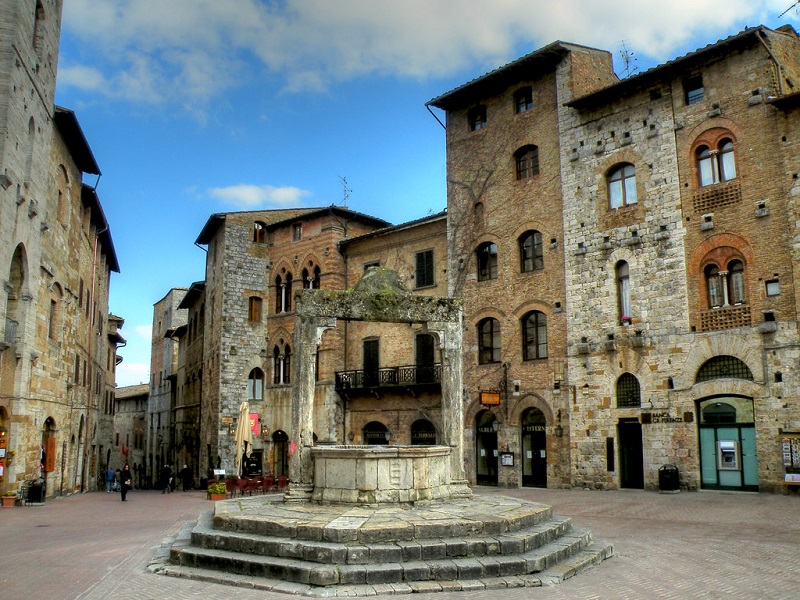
381 474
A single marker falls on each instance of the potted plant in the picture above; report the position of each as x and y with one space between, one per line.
9 499
217 491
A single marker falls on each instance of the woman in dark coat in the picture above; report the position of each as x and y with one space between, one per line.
125 481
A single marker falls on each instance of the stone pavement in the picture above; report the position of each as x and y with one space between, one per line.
687 545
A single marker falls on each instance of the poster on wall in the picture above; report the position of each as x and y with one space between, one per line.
791 452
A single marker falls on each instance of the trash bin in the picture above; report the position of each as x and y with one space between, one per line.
36 491
669 481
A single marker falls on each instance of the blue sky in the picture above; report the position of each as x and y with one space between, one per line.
193 107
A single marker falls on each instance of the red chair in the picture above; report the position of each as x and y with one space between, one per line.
253 485
282 482
241 484
230 485
268 483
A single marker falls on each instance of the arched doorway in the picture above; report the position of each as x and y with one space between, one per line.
376 434
423 433
534 448
728 457
280 453
485 448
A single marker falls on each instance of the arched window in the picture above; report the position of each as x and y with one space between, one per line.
622 186
476 117
531 255
487 261
534 335
38 28
281 364
255 385
376 433
628 391
283 293
63 196
527 161
488 341
423 433
723 367
311 277
725 288
717 164
622 272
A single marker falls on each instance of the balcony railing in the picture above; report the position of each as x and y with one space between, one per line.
389 377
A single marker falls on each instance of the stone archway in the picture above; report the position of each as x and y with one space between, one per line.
380 296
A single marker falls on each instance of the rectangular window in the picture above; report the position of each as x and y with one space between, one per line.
773 287
477 118
254 312
523 100
51 329
369 265
693 87
297 232
423 276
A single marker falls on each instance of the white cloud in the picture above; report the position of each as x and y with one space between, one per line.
257 196
132 374
144 332
193 50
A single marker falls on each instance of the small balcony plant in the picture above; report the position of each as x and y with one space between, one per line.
217 491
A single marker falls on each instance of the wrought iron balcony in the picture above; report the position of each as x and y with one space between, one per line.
409 377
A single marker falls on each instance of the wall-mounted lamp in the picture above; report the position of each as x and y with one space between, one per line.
264 431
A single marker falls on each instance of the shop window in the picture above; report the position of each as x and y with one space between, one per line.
531 253
622 186
488 341
534 335
487 261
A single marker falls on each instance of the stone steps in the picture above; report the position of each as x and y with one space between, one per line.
205 536
323 550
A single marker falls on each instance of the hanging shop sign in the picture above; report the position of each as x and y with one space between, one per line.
490 398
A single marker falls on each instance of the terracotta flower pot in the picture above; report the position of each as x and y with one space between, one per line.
217 496
8 501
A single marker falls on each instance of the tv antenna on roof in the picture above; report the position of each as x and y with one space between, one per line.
345 191
794 5
629 60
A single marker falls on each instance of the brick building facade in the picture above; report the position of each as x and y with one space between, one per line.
672 260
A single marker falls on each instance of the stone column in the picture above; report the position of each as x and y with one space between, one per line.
449 334
307 334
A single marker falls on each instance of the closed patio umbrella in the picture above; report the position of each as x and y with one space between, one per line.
243 440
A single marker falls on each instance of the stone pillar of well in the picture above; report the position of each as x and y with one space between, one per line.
307 334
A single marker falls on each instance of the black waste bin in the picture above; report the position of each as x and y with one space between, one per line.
36 492
668 479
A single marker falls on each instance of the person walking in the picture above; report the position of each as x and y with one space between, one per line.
125 481
166 480
111 474
186 478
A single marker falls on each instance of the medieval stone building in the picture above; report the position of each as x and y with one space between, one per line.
58 350
665 284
